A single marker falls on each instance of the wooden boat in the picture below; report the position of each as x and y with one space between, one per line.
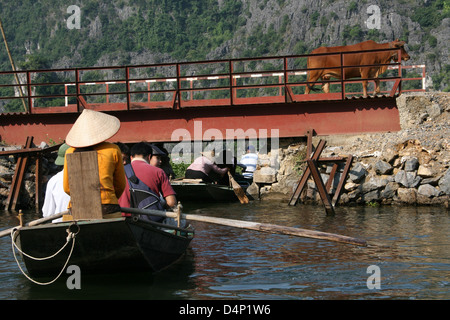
195 190
97 245
103 246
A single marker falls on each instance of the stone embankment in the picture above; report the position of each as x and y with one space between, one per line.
408 167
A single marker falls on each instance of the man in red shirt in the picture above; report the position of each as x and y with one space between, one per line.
154 177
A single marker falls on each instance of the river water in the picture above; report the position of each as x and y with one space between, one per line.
409 249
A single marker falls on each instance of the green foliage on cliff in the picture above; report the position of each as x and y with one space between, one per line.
186 29
431 13
113 32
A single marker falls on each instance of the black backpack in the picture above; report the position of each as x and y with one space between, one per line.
141 196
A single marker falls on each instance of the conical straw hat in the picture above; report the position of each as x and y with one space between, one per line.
91 128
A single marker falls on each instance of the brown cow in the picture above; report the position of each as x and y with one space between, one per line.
356 59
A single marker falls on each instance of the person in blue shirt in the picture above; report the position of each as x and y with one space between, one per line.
250 160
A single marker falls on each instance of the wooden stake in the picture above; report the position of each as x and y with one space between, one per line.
312 165
304 178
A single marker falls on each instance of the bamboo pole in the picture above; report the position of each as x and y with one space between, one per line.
7 232
263 227
13 66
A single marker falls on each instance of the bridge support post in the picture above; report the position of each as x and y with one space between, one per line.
312 165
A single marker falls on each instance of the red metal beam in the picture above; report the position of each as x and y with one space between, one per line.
158 125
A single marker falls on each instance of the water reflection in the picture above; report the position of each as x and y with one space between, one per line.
410 245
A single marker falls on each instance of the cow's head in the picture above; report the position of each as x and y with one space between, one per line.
401 45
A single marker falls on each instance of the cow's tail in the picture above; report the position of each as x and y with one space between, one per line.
312 87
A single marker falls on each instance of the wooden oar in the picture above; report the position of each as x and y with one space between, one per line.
240 193
264 227
7 232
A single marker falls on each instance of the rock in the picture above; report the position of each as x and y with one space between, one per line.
357 172
4 192
411 164
5 171
397 163
407 195
324 178
349 186
434 110
382 181
43 145
343 199
368 186
434 181
265 175
424 171
444 182
252 189
311 184
311 193
354 195
371 196
383 167
390 155
407 179
374 183
390 190
428 191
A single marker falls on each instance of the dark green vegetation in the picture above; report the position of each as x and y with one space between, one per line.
185 29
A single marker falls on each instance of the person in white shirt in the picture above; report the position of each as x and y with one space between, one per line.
250 160
56 200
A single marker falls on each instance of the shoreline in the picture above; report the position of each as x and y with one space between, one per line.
408 167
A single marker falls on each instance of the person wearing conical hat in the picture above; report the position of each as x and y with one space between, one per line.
90 132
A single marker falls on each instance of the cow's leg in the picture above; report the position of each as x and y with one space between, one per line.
364 84
307 89
326 85
364 75
377 87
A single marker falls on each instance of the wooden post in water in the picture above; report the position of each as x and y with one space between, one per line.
312 165
304 178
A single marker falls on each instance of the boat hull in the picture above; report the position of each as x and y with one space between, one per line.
203 192
102 246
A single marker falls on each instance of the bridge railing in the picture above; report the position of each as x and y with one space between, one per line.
233 82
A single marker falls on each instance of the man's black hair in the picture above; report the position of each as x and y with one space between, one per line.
124 148
141 148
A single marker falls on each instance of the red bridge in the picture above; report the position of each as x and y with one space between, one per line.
153 101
